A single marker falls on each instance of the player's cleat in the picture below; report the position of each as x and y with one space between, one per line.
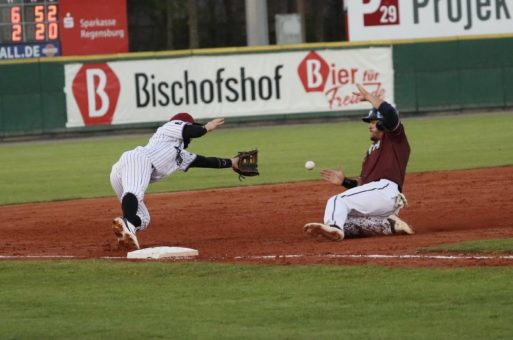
399 226
331 232
125 232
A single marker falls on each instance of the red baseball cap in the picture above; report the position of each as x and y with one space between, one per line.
184 117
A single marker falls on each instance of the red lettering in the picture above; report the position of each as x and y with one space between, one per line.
343 76
334 99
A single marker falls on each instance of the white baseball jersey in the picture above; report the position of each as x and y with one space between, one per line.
137 168
166 150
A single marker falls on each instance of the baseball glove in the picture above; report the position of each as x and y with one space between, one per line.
247 164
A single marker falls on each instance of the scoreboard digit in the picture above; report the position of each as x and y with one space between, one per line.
53 25
16 29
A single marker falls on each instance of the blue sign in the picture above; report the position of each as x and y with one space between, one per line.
35 50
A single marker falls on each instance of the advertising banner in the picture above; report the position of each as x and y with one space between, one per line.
33 50
93 27
411 19
125 92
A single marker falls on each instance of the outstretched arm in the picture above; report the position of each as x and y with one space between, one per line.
364 95
389 113
338 177
196 130
214 162
214 124
333 176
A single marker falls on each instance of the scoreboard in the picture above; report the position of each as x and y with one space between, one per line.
29 28
48 28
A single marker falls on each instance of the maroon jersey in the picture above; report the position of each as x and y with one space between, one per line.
388 157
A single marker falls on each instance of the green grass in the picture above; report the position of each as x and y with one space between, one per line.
110 300
93 299
67 169
480 246
460 142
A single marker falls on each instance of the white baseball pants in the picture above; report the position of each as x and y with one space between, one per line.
132 174
372 199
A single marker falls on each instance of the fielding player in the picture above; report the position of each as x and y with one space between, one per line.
164 154
372 202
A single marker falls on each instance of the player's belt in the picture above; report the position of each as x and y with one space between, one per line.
386 179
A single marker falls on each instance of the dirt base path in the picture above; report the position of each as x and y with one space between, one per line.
445 207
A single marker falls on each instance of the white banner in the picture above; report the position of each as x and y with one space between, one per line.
411 19
125 92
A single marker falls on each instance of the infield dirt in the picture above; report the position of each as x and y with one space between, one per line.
263 224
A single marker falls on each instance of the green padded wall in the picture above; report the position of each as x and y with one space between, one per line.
454 75
32 100
53 99
508 85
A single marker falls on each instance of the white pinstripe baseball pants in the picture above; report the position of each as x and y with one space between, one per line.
132 174
371 199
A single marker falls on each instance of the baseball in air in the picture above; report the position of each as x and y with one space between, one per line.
309 165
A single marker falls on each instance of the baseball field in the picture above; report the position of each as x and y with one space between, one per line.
257 275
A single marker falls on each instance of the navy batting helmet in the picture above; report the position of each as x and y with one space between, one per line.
374 114
184 117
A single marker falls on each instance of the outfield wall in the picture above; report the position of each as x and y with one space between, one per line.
32 99
454 75
427 76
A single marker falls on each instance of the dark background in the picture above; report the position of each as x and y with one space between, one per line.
157 25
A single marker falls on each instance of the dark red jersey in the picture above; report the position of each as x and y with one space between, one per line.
388 157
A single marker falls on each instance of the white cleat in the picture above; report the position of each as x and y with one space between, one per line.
400 226
125 232
331 232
